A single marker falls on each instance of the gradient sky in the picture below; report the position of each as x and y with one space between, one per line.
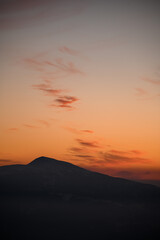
80 81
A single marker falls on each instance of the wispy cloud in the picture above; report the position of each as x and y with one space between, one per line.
133 152
4 162
78 131
116 159
140 92
150 80
68 50
44 122
90 144
64 102
76 150
68 67
30 126
13 129
47 89
58 68
87 131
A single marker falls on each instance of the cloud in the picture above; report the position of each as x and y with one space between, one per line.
43 122
30 126
137 152
115 158
34 64
77 131
90 144
153 81
55 69
47 89
4 162
83 156
68 67
76 149
64 102
140 92
68 50
13 129
87 131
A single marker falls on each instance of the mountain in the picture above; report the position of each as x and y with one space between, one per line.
51 199
47 176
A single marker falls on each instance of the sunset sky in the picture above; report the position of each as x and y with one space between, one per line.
80 82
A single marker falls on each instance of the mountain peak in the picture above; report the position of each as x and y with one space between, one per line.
42 160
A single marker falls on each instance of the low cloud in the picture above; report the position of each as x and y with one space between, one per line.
4 162
90 144
119 152
116 159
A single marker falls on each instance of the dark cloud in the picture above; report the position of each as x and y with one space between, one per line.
83 156
92 144
4 162
76 149
113 151
65 102
115 158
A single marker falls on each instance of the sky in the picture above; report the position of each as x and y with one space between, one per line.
80 82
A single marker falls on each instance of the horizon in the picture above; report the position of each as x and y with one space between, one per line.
80 81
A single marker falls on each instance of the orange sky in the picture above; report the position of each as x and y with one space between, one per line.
81 82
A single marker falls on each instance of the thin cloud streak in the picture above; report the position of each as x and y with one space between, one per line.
116 159
13 129
77 131
47 89
68 50
153 81
140 92
30 126
90 144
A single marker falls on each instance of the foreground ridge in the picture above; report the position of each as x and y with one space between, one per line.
48 176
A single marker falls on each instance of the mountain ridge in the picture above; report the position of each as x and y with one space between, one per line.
48 176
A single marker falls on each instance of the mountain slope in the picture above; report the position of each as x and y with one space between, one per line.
48 176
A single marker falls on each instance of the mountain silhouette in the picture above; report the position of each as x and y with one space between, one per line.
52 199
47 176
